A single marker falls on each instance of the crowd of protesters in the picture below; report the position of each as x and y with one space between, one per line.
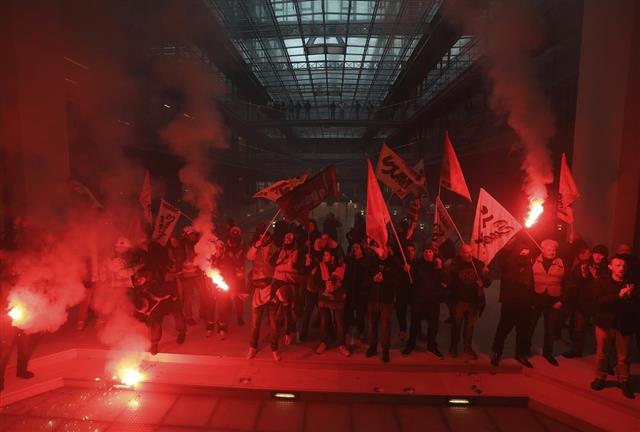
298 277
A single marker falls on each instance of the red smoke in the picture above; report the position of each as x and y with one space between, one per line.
509 33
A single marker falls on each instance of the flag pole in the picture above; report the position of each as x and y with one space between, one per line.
404 258
532 239
269 225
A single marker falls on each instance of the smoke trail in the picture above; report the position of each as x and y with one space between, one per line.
191 135
509 32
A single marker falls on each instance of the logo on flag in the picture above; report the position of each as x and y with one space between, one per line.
443 225
567 192
300 201
166 222
451 176
396 174
277 189
377 216
493 227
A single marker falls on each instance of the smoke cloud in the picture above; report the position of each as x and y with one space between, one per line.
509 33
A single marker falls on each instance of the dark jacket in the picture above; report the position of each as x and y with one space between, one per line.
384 291
462 280
427 282
355 283
516 283
611 311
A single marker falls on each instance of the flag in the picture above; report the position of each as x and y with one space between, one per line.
145 199
297 203
277 189
567 192
377 213
419 170
396 174
85 193
451 176
166 222
493 227
414 209
443 225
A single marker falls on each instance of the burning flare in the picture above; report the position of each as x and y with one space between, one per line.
536 208
217 279
129 375
17 314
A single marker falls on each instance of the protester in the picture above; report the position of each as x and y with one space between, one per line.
516 297
549 278
356 288
466 278
425 294
616 304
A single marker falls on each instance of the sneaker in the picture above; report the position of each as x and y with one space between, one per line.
288 339
436 352
551 359
251 353
385 356
208 334
26 374
153 350
408 349
181 337
344 350
322 347
626 390
524 361
598 384
495 359
222 334
471 353
371 351
276 355
572 354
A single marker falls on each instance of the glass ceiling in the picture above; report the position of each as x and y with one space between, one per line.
326 51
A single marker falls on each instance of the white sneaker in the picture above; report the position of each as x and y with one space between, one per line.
222 334
208 334
276 355
322 347
287 339
251 353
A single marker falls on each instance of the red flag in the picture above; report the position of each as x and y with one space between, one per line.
279 188
145 199
451 176
300 201
414 209
377 213
493 227
567 192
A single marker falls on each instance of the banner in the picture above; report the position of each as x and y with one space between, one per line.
451 176
300 201
166 222
414 209
493 227
377 216
145 199
443 225
567 192
396 174
282 187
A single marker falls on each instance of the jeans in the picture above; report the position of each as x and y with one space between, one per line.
256 321
429 310
379 313
326 314
518 316
607 341
155 324
464 314
310 302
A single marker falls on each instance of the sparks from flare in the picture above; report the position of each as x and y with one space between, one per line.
536 208
217 279
129 376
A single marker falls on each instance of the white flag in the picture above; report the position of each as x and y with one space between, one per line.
277 189
166 222
443 225
493 227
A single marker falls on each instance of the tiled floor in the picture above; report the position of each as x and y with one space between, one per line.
82 409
